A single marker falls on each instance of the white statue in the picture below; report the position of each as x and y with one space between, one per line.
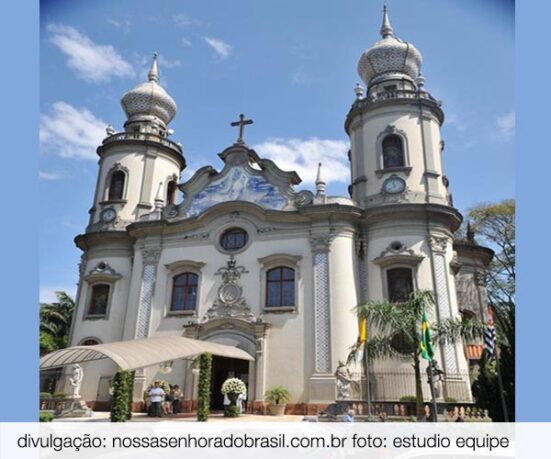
76 380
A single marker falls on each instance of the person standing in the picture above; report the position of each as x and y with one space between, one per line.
156 397
177 395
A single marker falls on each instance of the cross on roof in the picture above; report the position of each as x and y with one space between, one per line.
241 123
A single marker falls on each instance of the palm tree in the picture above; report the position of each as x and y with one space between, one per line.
399 328
55 322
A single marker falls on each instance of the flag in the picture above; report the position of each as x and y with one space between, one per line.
427 351
490 337
362 329
362 337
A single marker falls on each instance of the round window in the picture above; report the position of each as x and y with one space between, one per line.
234 239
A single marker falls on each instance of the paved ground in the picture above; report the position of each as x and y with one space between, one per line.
102 416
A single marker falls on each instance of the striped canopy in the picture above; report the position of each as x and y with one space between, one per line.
141 353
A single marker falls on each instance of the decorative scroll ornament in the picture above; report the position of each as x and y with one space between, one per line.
321 243
230 301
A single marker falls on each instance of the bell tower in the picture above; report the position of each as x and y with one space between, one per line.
397 178
394 128
140 167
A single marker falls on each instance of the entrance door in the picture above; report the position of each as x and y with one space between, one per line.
222 369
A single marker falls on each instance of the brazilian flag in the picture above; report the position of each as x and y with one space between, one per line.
427 351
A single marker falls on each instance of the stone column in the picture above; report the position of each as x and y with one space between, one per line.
438 247
322 382
150 260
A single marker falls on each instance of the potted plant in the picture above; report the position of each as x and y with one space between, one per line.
233 388
277 397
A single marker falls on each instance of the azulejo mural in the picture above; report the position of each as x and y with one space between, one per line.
237 185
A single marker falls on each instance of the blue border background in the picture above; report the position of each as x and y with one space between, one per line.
19 249
19 75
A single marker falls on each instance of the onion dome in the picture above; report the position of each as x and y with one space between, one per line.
389 58
149 101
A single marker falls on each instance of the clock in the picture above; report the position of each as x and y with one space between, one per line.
108 215
394 185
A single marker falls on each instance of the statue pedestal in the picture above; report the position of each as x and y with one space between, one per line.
75 408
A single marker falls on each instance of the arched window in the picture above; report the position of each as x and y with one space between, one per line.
184 292
234 239
171 193
99 300
400 284
280 287
89 342
393 152
116 185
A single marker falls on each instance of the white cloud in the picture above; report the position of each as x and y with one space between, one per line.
168 63
303 157
71 132
300 77
43 175
183 20
91 62
453 120
506 125
186 43
124 24
47 294
222 49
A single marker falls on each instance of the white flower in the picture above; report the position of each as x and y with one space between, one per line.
233 385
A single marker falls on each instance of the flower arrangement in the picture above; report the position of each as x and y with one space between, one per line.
233 386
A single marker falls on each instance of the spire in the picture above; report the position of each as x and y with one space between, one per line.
386 28
153 74
320 183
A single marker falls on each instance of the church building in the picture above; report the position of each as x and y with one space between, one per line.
241 254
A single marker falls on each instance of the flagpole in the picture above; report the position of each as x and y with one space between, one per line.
502 393
367 384
433 392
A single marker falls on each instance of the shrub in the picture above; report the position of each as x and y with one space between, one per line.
45 416
408 398
450 400
123 382
231 411
277 395
60 395
203 404
45 395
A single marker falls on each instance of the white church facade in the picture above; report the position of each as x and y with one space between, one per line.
248 258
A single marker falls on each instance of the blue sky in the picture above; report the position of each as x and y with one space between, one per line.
290 65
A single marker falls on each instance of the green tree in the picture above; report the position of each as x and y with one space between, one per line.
494 226
399 332
55 323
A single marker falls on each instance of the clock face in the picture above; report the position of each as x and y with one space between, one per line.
394 185
108 215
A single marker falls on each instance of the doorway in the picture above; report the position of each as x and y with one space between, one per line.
222 369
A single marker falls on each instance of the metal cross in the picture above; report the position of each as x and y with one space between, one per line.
241 123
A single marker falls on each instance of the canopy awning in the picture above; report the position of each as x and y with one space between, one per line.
141 353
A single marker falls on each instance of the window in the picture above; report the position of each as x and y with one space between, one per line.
116 185
89 342
171 193
280 287
234 239
393 152
400 284
98 300
184 292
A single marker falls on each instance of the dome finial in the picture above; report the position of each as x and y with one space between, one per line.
386 28
153 74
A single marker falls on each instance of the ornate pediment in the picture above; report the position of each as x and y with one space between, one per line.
245 177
